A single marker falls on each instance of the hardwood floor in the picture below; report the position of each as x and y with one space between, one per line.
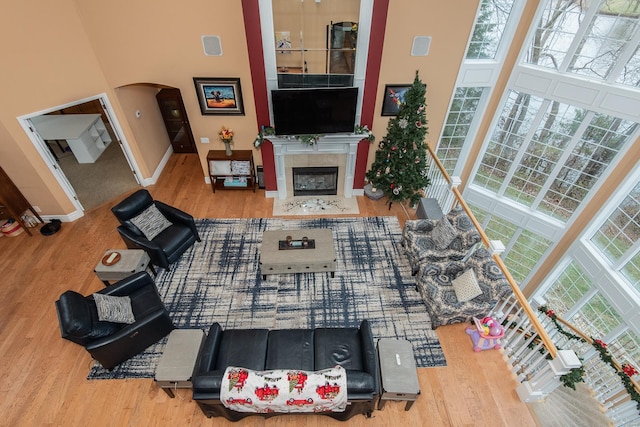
44 377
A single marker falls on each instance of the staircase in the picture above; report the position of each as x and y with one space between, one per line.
569 408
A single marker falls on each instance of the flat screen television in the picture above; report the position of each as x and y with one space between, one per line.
314 110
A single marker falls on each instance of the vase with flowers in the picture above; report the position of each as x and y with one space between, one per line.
226 136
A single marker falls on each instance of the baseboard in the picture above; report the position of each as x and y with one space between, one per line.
145 182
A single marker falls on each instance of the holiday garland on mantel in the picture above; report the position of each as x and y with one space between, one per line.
625 374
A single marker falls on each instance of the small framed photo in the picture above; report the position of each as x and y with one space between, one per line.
393 98
219 95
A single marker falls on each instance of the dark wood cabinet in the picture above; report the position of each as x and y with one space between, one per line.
234 172
176 120
12 203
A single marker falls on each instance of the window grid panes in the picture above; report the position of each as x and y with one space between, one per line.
631 271
525 254
569 288
489 28
606 27
605 40
626 348
630 74
556 130
621 229
461 114
597 317
514 124
554 33
598 145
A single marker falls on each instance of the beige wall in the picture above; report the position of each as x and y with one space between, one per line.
47 61
74 49
148 131
449 25
155 43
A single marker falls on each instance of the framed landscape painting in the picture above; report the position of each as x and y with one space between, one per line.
393 97
219 95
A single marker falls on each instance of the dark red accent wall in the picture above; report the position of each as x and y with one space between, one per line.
374 59
251 14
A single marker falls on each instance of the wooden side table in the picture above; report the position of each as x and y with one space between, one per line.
178 360
398 372
234 172
131 261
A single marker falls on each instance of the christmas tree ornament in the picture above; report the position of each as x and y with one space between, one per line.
405 140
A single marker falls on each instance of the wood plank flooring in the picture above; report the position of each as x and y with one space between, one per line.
43 377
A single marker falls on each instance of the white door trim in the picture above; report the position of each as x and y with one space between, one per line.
52 164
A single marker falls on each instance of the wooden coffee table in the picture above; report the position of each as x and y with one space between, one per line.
321 258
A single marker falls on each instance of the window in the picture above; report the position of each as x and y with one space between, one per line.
569 288
461 114
490 25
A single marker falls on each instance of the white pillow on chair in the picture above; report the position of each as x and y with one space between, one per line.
466 286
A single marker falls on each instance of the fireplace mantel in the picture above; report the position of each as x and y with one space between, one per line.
328 144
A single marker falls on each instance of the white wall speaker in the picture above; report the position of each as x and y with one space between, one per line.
212 45
421 46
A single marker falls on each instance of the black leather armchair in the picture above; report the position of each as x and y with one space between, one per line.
113 343
167 247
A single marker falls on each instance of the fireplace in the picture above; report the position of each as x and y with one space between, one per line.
336 150
315 181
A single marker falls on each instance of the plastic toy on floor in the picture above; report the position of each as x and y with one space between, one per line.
486 335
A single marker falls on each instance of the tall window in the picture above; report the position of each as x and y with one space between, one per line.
563 125
489 28
461 115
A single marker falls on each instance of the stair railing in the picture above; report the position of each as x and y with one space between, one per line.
532 354
603 378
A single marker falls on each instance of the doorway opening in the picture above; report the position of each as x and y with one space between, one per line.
92 163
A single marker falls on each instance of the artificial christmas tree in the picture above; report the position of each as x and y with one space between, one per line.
400 165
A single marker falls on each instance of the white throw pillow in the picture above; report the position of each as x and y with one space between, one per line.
443 234
114 309
151 222
466 286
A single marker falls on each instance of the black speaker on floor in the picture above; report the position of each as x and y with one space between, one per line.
260 177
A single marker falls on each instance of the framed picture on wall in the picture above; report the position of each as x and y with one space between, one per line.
393 98
221 96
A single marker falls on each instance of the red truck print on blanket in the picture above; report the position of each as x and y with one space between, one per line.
328 391
267 392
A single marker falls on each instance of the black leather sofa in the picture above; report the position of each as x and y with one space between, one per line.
304 349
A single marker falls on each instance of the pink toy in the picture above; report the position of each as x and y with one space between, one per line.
482 336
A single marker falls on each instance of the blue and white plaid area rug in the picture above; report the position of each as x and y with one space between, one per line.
219 280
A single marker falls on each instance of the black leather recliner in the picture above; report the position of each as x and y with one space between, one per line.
113 343
304 349
167 247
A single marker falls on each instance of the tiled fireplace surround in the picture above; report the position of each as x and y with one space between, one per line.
331 150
